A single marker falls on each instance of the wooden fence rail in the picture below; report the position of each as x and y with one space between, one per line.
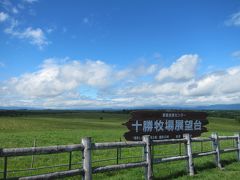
86 148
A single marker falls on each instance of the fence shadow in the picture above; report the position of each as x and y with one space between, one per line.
198 169
172 175
228 161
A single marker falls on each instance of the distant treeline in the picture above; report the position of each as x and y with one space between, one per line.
232 114
16 113
22 112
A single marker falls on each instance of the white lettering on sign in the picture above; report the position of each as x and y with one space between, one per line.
188 125
136 125
147 126
158 125
179 125
169 125
197 125
173 115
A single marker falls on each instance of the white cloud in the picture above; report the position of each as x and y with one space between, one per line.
136 71
30 1
214 88
234 20
53 79
3 16
58 83
218 83
236 54
182 70
34 36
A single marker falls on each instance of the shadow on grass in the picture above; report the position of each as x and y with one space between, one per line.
197 169
172 175
227 162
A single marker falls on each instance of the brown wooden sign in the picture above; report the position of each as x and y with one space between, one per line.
165 124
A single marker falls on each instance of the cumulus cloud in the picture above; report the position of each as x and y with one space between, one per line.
53 79
218 83
57 84
136 71
212 88
234 20
3 16
35 36
182 70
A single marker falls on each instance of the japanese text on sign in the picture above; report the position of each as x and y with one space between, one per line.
168 125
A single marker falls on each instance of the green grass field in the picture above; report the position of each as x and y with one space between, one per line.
69 127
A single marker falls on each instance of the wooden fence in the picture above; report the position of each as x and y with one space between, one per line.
86 147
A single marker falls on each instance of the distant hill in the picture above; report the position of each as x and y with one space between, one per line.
220 107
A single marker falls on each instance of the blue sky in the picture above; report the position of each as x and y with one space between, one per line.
96 54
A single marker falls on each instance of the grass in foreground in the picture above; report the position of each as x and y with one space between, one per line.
69 128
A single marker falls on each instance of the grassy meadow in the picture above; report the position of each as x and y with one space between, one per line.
68 127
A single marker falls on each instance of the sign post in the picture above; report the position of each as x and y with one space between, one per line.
165 124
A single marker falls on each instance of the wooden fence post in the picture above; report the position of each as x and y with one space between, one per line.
238 145
117 154
188 150
5 168
34 145
120 150
216 147
70 161
180 148
87 159
148 158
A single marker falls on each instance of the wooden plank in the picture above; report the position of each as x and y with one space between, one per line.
119 167
113 145
195 155
87 158
168 141
228 150
169 159
39 150
55 175
226 137
201 139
